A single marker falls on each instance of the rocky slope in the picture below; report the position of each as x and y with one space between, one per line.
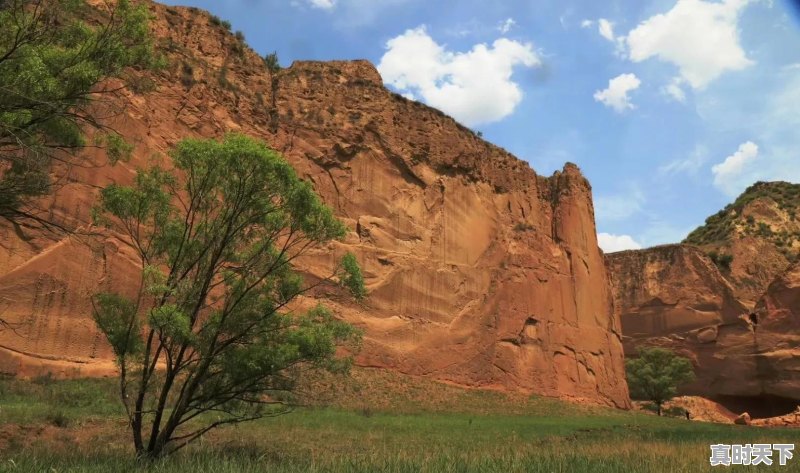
755 238
736 319
480 272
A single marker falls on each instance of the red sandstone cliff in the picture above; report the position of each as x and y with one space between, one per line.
675 297
479 271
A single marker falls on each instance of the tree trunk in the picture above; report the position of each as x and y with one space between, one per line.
658 406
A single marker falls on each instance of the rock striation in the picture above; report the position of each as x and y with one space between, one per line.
480 272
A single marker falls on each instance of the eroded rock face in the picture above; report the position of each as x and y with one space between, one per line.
675 297
778 329
480 272
671 289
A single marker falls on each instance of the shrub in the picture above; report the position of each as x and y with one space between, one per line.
217 21
675 411
187 75
57 419
721 260
271 60
141 85
222 79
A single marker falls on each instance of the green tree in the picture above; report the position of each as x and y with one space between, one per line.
272 63
210 331
656 374
53 55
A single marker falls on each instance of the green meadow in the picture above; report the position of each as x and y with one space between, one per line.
374 421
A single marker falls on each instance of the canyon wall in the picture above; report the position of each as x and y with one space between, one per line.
479 271
675 297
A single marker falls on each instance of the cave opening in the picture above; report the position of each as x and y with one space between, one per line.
759 407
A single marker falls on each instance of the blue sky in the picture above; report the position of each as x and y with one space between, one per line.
670 107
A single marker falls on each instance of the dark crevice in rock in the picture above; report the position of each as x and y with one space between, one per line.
759 407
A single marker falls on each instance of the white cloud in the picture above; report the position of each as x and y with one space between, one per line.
323 4
700 37
616 95
587 23
474 87
506 25
675 90
610 243
689 165
606 29
768 118
730 175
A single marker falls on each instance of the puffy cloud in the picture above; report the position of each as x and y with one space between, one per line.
606 29
474 87
768 118
506 25
587 23
730 175
616 95
700 37
610 243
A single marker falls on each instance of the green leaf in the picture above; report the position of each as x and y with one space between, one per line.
116 317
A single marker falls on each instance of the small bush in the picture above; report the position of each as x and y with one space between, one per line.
44 379
223 78
187 75
217 21
237 48
141 85
675 411
651 407
721 260
271 60
57 419
523 227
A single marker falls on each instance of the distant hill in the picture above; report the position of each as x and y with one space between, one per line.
766 210
755 238
705 298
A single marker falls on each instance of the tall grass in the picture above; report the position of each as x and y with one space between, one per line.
478 431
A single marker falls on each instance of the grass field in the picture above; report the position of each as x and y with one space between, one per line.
373 422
